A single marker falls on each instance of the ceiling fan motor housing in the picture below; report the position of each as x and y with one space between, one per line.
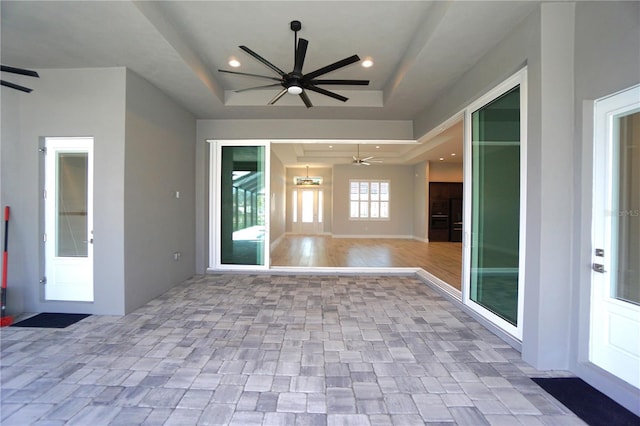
296 25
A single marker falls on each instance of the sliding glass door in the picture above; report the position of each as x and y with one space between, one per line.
494 278
242 182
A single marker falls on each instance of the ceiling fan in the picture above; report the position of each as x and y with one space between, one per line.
296 82
19 71
366 161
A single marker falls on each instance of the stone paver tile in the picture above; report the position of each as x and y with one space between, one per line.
290 402
307 384
515 402
131 416
183 416
340 400
94 415
348 420
468 416
217 414
195 399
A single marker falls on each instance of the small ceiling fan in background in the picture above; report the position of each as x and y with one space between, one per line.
295 82
19 71
366 161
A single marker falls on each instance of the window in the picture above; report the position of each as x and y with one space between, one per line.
369 199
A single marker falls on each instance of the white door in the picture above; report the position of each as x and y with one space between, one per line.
615 297
307 210
69 219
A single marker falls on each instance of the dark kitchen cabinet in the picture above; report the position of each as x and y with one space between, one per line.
445 211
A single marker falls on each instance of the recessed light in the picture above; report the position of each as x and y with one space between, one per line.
367 63
453 154
441 158
377 146
330 146
234 62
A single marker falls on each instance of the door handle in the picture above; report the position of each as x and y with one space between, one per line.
598 268
88 241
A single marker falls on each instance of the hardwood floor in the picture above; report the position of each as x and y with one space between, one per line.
444 260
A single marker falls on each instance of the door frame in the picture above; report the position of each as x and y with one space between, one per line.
602 237
517 79
66 144
215 181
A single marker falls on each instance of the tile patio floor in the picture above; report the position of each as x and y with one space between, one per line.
274 350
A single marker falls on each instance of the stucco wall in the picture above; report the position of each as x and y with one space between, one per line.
87 102
159 193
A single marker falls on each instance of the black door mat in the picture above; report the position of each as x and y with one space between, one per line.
588 403
51 320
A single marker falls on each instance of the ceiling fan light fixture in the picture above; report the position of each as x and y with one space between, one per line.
294 90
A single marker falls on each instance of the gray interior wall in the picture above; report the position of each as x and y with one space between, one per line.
445 172
421 201
606 62
87 102
306 129
401 205
278 199
202 195
159 158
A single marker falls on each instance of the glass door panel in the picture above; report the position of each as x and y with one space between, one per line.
72 205
242 205
625 285
495 220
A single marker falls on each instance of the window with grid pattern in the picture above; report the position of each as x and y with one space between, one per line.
369 199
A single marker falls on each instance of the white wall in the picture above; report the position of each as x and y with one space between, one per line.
87 102
159 159
277 222
401 204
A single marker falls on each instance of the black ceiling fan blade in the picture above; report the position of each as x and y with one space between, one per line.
20 71
15 86
326 92
305 99
277 97
336 65
263 60
250 75
257 87
301 52
341 82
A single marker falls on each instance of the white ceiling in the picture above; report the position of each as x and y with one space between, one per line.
419 49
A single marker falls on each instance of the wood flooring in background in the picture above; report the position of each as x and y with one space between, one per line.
444 260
